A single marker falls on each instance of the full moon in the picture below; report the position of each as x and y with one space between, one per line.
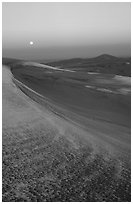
31 42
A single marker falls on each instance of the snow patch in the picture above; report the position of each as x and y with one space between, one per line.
123 79
125 91
105 90
90 87
46 66
93 73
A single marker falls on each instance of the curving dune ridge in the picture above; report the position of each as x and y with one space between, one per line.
48 156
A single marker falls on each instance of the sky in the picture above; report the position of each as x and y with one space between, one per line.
65 30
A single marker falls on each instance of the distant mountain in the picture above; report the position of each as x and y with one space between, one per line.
106 57
102 64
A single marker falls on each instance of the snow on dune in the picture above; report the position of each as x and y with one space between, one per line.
125 91
45 66
123 79
90 87
93 73
100 89
105 90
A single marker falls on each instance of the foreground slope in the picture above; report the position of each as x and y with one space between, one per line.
48 157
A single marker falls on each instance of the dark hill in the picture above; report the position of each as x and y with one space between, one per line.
106 57
101 64
10 61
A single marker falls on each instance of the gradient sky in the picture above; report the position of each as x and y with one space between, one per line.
65 30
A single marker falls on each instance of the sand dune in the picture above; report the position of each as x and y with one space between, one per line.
47 157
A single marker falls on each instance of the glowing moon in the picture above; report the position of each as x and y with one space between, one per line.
31 43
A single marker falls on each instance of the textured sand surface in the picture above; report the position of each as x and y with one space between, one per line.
48 158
